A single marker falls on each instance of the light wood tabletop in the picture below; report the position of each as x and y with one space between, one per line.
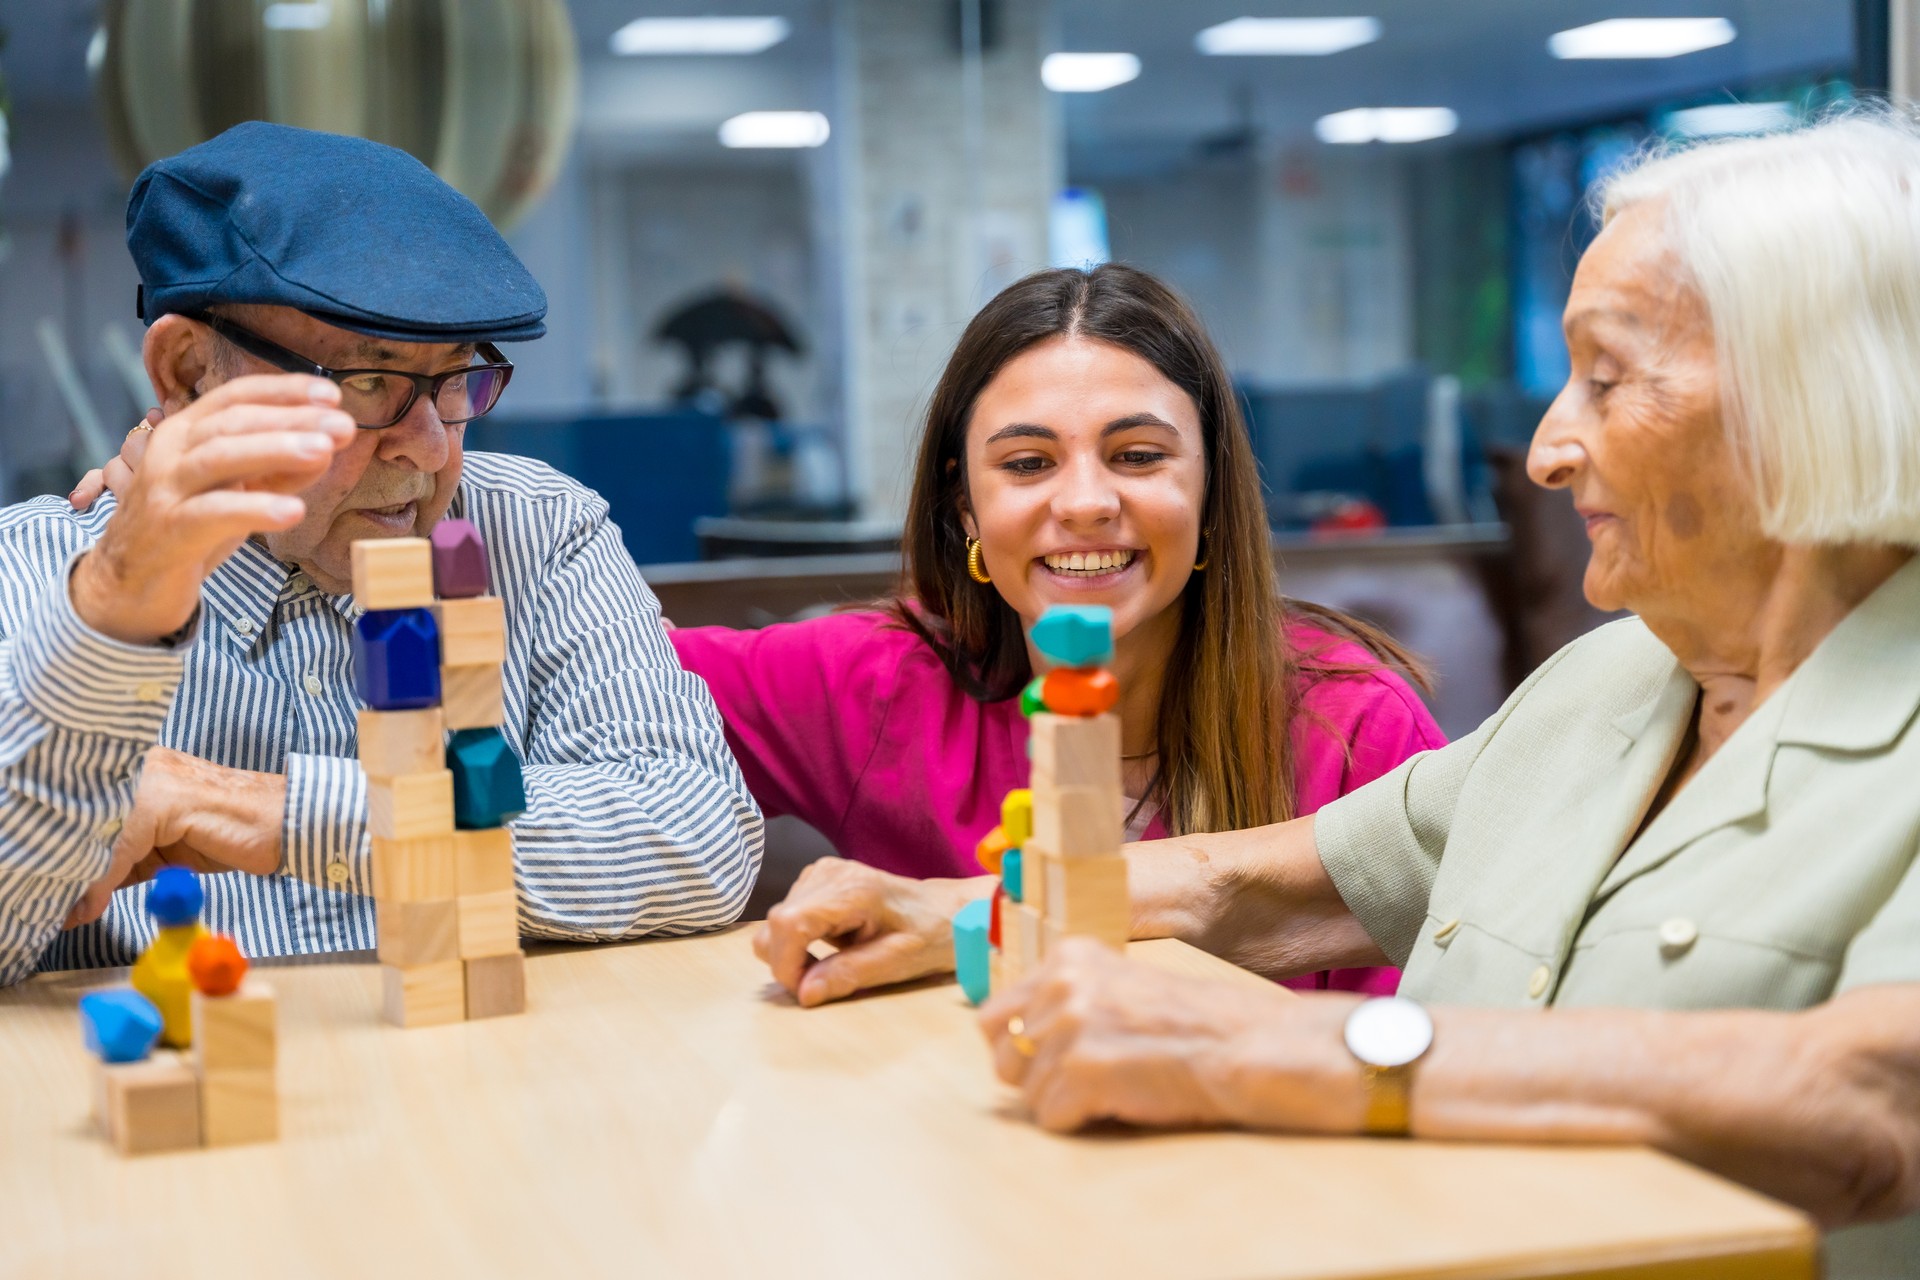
661 1110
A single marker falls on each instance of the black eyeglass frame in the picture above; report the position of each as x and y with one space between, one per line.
430 383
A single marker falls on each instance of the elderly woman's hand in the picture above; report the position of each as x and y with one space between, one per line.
1093 1037
888 929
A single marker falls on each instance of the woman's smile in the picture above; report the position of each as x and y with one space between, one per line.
1091 570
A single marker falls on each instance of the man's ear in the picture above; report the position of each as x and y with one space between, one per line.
178 356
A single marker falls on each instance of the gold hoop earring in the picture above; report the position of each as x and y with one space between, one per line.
976 570
1206 551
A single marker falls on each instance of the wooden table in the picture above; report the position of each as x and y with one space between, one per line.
663 1111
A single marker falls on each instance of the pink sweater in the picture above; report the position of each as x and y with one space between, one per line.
850 723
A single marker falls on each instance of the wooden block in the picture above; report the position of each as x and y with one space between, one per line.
1024 935
489 924
418 870
410 806
483 861
152 1105
237 1032
396 743
1078 822
238 1107
472 632
496 985
393 573
1033 877
417 933
1075 751
472 697
1087 897
424 995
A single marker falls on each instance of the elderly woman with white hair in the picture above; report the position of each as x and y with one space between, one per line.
1668 893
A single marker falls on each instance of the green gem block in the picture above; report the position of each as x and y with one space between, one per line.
1030 699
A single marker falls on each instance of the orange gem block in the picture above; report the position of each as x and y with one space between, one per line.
992 848
216 966
1071 691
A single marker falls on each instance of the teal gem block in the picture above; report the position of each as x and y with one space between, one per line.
119 1025
1012 873
1075 635
970 949
488 789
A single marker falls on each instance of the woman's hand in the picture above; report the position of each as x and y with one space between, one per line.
887 928
1093 1036
118 471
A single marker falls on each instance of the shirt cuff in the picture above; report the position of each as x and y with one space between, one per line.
79 680
324 832
1373 860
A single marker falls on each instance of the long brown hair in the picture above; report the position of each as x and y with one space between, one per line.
1232 690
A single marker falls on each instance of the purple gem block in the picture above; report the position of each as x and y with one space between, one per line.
459 560
396 659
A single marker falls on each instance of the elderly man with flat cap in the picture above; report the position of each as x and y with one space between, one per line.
175 672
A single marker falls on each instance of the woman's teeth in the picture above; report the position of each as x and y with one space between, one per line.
1094 562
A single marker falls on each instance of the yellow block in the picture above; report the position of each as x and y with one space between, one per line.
1016 816
160 974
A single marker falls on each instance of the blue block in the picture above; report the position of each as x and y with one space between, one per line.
1075 635
1011 873
396 659
970 948
119 1025
488 790
175 898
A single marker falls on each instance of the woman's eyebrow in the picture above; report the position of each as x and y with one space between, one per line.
1015 430
1137 420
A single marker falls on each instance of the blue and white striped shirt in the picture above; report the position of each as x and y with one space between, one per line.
637 820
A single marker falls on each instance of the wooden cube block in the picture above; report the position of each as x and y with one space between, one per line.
472 632
472 697
489 924
1075 751
1033 877
418 870
393 573
237 1032
1078 822
424 995
417 933
1087 897
396 743
151 1105
483 861
410 806
1022 939
238 1107
496 985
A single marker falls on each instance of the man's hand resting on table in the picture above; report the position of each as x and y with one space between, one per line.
191 813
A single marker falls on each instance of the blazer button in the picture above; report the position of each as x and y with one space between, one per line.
1537 984
1444 934
1677 935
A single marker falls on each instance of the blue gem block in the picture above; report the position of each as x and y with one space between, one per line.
1075 635
1012 873
119 1025
396 659
176 897
488 790
970 949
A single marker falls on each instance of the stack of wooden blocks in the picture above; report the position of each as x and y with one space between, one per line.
428 656
1057 848
215 1084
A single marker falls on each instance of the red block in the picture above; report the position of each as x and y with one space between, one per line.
1071 691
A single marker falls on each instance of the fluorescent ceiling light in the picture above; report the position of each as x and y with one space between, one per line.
1386 124
700 35
1641 38
1087 72
1732 117
1309 37
297 17
775 129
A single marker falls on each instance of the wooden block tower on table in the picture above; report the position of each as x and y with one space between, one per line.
1057 848
442 783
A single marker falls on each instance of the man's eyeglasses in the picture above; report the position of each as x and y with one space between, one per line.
377 398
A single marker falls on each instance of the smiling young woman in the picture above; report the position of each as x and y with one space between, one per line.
1084 445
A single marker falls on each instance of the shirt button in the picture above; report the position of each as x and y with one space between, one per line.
149 692
108 829
312 683
243 626
299 582
338 873
1444 934
1537 984
1677 935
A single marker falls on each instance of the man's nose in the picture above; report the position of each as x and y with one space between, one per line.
419 439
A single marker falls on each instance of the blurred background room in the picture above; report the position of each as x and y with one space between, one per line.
762 224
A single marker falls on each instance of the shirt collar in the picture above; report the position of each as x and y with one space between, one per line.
1860 688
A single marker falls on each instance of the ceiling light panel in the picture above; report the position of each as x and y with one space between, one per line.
1641 38
1386 124
1283 37
1720 119
1087 72
785 129
666 36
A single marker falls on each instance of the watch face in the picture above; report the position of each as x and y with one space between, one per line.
1389 1032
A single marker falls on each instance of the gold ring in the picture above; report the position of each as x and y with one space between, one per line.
145 426
1017 1029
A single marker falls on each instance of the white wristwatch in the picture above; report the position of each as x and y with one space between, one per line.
1388 1036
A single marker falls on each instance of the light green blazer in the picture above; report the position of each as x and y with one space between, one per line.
1503 870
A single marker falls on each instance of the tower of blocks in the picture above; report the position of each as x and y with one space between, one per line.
442 783
214 1083
1057 848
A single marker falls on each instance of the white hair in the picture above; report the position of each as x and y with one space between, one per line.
1805 247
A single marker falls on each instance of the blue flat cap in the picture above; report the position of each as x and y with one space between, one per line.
354 233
